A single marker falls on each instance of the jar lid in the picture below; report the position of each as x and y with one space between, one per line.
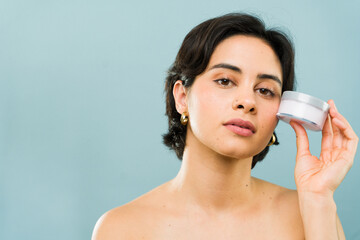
306 123
302 97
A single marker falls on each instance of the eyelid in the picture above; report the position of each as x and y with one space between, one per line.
270 86
231 82
270 94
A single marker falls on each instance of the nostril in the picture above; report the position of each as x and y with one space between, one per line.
240 106
252 109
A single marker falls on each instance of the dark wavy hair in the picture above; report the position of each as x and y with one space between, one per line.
194 56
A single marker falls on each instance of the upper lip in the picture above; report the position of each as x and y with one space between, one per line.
241 123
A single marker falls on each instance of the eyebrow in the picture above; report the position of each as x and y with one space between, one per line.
227 66
236 69
268 76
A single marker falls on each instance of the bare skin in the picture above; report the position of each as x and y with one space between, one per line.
214 195
164 213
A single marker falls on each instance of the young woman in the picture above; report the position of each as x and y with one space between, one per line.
223 92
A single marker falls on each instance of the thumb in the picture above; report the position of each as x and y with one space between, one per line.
302 140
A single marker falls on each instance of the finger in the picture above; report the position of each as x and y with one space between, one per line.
349 138
340 123
337 135
327 140
334 113
351 141
327 134
347 153
302 141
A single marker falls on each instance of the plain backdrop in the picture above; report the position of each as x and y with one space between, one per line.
82 102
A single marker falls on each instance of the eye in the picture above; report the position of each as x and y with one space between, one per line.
224 82
266 92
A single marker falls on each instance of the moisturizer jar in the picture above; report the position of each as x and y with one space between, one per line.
309 111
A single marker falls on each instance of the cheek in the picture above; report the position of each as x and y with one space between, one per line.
206 111
269 119
272 110
202 108
271 107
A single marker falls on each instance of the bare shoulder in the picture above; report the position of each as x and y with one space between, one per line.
116 223
284 206
122 222
281 195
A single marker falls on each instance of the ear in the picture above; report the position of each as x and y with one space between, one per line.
180 94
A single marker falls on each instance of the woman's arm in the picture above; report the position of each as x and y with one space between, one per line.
317 178
320 218
340 229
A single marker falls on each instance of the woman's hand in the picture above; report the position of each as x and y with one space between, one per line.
321 176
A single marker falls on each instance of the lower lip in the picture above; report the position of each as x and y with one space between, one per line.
240 131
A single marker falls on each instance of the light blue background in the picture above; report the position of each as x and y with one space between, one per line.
82 103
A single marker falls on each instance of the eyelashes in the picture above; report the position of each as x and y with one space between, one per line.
227 83
224 82
266 92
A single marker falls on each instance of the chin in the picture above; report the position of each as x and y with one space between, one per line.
239 150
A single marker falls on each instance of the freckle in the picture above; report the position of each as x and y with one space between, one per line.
247 185
263 192
169 225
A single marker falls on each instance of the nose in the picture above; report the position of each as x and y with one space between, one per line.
245 101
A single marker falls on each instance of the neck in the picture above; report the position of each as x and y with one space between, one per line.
212 181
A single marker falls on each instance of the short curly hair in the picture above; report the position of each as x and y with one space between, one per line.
194 56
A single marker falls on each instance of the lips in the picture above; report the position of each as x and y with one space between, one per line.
241 127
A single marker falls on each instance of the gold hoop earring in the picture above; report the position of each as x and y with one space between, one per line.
184 118
273 139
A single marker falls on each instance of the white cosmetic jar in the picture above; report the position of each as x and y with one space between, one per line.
307 110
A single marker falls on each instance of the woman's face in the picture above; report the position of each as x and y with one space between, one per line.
232 105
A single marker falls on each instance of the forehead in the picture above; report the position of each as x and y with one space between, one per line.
248 53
